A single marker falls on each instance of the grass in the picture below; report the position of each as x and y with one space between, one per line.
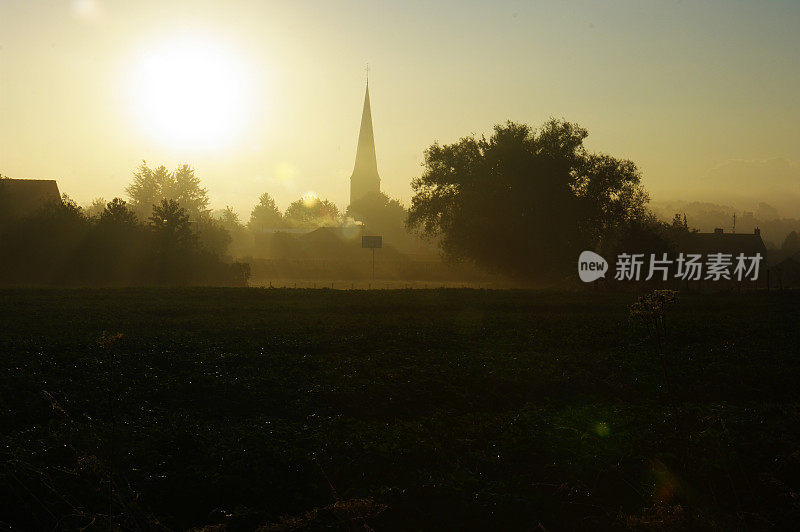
407 409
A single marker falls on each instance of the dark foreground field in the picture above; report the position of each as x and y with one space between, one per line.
395 409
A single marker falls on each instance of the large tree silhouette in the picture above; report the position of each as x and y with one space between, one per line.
524 202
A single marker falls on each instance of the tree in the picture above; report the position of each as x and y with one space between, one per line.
212 236
235 237
150 186
611 192
66 210
45 247
309 212
230 220
523 202
186 190
377 211
117 212
265 214
147 188
645 235
791 243
382 215
95 208
117 248
171 223
60 245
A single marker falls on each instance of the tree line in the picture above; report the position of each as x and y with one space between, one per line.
165 234
60 245
523 202
152 185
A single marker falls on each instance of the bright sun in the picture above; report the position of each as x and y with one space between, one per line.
191 94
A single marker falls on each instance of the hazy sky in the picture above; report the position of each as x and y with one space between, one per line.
90 88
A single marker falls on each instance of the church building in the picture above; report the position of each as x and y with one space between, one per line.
365 179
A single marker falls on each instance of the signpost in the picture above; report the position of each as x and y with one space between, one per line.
372 242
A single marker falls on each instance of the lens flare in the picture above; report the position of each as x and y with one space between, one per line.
310 199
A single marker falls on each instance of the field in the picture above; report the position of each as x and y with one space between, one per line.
396 409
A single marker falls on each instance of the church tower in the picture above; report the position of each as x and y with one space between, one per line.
365 179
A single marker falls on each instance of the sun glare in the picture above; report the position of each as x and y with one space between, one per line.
310 198
191 94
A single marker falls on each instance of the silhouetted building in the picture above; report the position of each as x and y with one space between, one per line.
365 179
721 242
23 197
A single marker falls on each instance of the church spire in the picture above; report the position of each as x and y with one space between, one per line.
365 179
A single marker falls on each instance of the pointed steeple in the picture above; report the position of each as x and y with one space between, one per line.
365 178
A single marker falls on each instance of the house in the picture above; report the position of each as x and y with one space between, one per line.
20 198
749 245
721 242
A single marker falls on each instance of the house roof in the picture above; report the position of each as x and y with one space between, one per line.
23 197
733 243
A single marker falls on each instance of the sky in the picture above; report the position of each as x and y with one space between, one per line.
266 96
